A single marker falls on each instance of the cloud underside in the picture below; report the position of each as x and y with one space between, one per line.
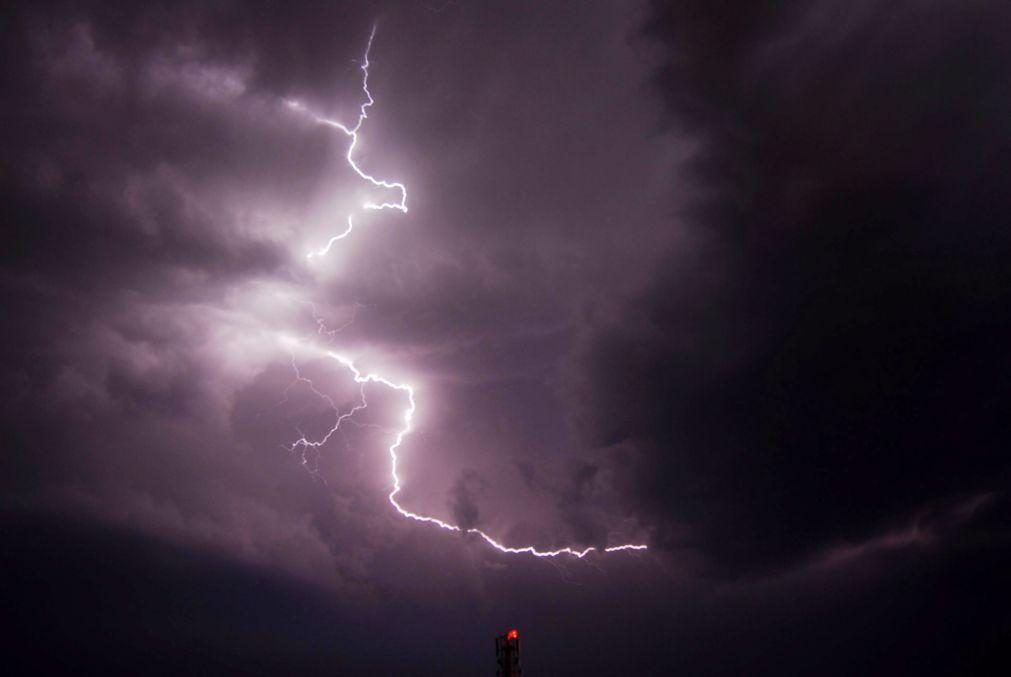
734 282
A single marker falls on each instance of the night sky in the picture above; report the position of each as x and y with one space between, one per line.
730 280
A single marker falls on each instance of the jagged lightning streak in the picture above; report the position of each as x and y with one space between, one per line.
352 133
364 379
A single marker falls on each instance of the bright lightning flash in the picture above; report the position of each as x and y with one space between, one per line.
304 444
352 133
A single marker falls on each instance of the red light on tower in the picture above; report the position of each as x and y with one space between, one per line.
507 654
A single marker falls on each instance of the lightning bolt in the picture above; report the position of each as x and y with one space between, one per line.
352 133
304 443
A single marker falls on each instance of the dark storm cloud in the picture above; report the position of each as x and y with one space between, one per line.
462 499
830 352
725 277
129 598
160 192
149 179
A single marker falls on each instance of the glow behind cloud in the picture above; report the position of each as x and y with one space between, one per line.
365 379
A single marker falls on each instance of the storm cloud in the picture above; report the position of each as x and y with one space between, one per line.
727 279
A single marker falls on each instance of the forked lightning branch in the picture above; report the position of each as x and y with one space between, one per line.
364 380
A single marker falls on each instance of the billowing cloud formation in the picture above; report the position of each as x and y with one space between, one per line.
165 198
826 354
726 277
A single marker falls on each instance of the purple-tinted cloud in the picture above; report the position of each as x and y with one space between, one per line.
725 278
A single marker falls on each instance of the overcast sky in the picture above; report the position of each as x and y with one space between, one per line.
731 280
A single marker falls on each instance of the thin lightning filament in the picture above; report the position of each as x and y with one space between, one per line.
365 379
